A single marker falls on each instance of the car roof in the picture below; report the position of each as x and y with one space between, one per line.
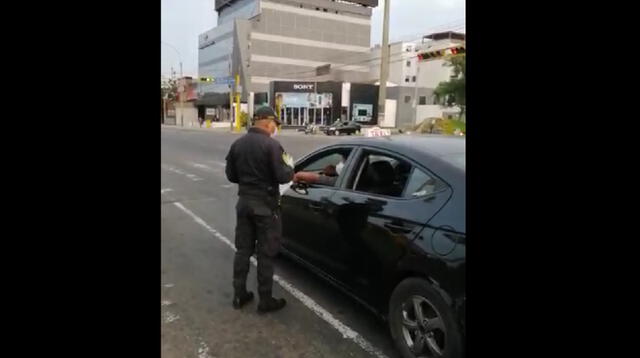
429 150
414 145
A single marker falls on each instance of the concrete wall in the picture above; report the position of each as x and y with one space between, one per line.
406 111
190 113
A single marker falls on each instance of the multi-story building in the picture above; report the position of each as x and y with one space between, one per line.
277 40
411 83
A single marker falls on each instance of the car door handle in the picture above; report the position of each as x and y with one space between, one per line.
316 206
398 228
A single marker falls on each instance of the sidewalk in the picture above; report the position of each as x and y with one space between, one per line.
226 127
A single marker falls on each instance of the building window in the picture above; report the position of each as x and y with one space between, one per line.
407 79
407 99
413 79
408 63
423 99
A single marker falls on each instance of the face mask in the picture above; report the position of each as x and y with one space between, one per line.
275 133
339 168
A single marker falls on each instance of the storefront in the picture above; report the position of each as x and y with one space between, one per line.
302 103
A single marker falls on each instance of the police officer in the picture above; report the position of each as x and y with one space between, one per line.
258 164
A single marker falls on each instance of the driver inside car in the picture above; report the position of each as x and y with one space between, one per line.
328 176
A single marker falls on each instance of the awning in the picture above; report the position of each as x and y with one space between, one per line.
213 99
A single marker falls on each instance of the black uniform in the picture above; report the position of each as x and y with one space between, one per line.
255 162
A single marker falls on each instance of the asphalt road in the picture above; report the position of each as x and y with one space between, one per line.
198 224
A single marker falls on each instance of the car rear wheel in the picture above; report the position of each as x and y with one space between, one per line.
421 323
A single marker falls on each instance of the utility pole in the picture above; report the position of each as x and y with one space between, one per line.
237 82
384 64
415 95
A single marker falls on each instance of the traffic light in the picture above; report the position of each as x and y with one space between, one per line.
207 79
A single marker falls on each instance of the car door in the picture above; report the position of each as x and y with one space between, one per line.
306 226
380 207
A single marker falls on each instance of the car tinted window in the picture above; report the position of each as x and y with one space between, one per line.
319 162
386 175
421 184
381 174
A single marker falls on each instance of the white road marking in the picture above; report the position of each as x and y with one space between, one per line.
170 317
227 186
166 303
203 350
201 166
181 172
222 164
169 285
162 191
321 312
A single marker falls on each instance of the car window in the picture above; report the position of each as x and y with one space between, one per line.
421 184
320 162
381 174
386 175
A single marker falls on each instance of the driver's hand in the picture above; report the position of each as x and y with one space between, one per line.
330 170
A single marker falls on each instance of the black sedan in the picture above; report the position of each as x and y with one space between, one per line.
344 127
390 232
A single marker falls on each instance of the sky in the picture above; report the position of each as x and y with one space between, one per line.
183 20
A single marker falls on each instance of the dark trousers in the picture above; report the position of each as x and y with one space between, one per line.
257 222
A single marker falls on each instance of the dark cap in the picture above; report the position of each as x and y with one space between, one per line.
266 112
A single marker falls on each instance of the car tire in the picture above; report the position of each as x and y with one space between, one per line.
447 338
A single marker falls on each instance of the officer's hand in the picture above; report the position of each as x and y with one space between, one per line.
288 159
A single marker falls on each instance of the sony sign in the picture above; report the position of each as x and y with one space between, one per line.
302 87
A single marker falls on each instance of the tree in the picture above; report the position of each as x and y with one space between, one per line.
169 89
453 92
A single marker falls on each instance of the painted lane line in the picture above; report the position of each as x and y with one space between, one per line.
227 186
201 166
181 172
170 317
320 311
166 303
216 162
169 285
166 190
203 350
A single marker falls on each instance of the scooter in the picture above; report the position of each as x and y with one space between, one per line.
311 129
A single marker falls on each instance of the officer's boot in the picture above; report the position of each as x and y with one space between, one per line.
270 304
242 298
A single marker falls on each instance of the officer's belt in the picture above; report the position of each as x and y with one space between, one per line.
259 191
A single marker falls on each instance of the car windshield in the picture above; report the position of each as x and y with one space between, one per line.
457 159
